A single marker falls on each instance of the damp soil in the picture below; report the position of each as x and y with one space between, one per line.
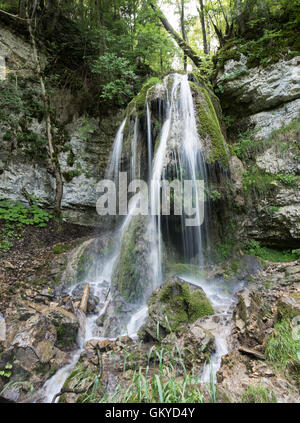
25 265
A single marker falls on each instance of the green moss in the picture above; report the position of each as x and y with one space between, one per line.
65 338
61 248
209 124
131 276
84 265
42 368
242 310
61 335
183 305
270 254
140 99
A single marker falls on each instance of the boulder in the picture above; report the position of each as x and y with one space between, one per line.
37 337
198 344
254 319
173 304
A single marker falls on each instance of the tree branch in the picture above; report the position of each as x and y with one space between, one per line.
182 44
13 16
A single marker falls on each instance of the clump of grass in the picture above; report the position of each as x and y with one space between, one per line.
163 379
270 254
166 382
255 180
248 146
282 346
283 349
258 394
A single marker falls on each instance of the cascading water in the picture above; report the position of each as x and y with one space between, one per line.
115 158
178 155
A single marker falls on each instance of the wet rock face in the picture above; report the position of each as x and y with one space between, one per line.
173 304
36 340
132 278
84 261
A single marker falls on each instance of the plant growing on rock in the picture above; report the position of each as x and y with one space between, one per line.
258 394
283 349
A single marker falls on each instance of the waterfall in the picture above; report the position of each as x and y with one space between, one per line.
178 155
115 157
179 144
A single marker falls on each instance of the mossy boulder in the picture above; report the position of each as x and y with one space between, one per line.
288 306
66 325
171 306
132 277
85 261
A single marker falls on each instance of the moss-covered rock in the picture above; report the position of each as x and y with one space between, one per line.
173 304
132 275
81 378
86 260
208 119
140 99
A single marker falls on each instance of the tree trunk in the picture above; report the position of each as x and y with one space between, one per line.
51 153
53 15
182 44
202 20
218 32
85 298
183 32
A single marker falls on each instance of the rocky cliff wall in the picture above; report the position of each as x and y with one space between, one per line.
83 142
262 105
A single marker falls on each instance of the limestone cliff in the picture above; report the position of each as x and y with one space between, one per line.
83 141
